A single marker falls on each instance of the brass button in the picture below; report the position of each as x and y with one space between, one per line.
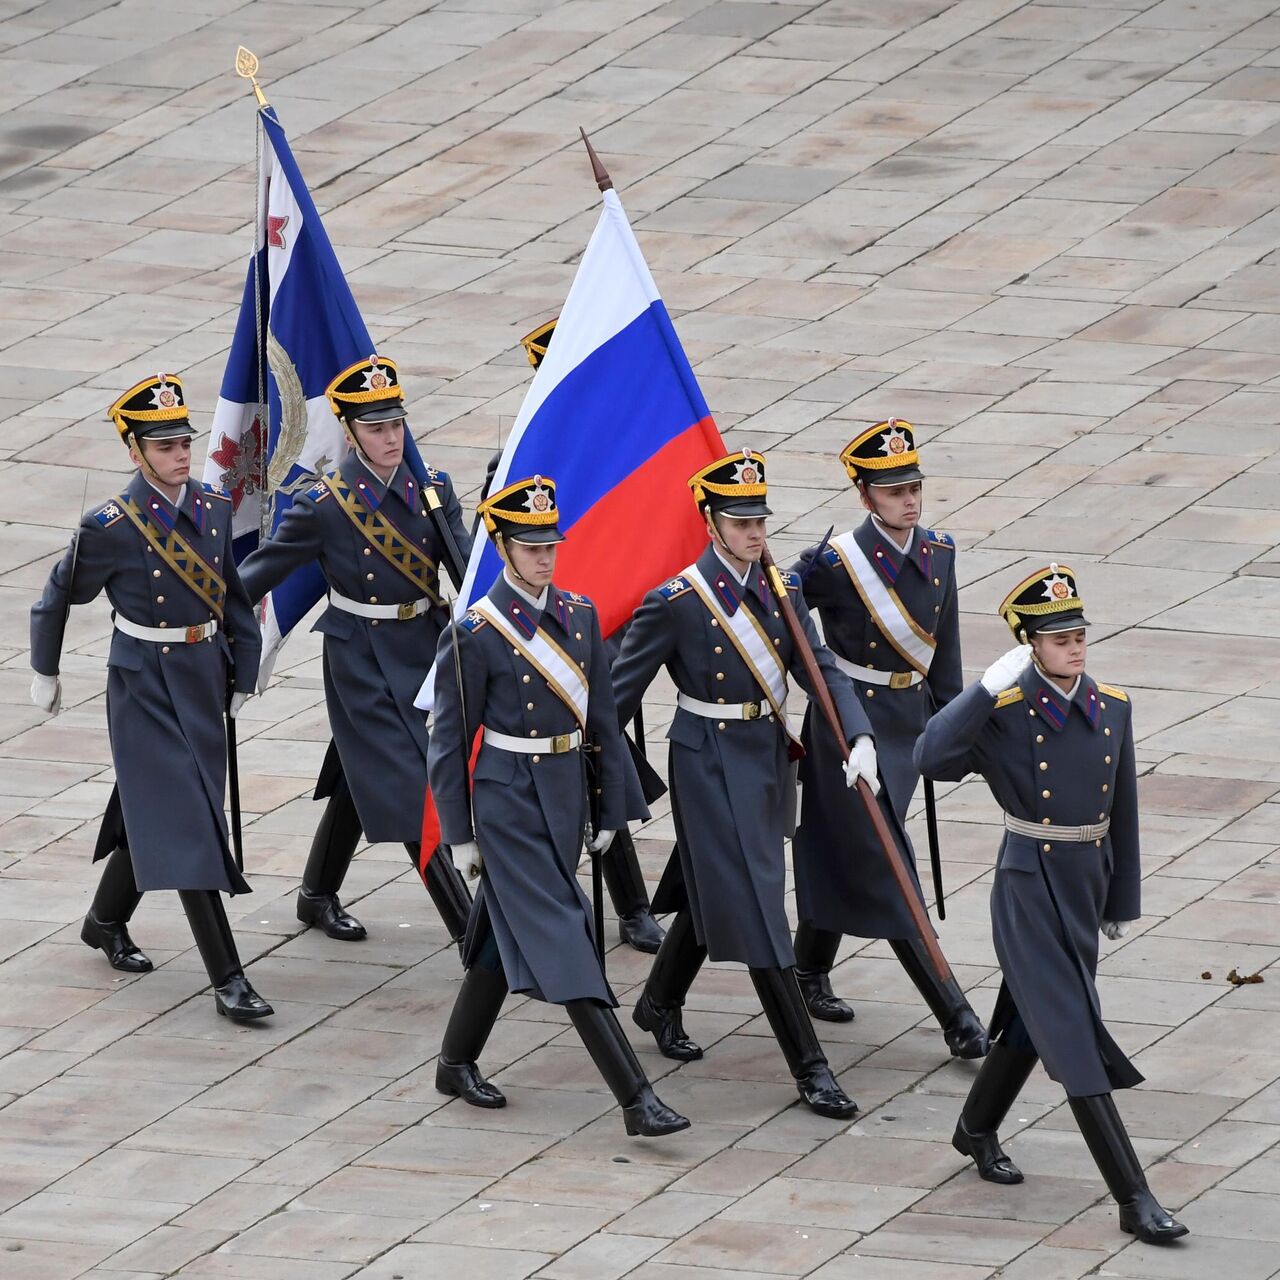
516 652
714 622
1103 705
1101 816
872 645
373 599
367 551
1044 764
871 693
533 733
937 608
1107 732
536 759
155 573
777 644
577 635
150 550
373 622
721 700
368 577
1106 759
1039 737
719 648
525 679
1047 848
776 614
164 624
1031 711
719 675
1046 794
937 582
528 706
871 666
1048 822
1106 787
164 648
215 533
720 725
159 599
216 559
1098 843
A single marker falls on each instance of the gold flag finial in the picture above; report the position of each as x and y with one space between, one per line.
247 68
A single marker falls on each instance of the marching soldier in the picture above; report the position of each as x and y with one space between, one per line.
527 663
719 631
886 593
184 639
366 525
619 862
1056 749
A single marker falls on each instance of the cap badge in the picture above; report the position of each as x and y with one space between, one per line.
375 379
893 442
747 472
1056 588
539 499
164 396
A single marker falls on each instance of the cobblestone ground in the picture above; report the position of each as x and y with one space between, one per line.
1044 233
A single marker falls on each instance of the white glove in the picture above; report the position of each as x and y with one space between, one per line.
862 764
602 840
46 693
1004 672
237 701
1115 929
466 857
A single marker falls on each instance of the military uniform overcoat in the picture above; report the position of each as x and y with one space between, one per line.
843 882
1050 760
165 702
529 811
729 779
372 667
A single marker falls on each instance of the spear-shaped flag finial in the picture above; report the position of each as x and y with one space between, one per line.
599 172
247 69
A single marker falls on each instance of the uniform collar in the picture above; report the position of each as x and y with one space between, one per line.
515 606
373 492
1054 705
729 589
191 503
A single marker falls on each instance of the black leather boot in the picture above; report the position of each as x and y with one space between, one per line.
643 1113
233 996
962 1029
815 954
474 1012
784 1008
1108 1141
447 888
636 925
332 849
995 1088
106 925
674 969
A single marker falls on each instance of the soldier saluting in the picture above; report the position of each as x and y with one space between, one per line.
184 637
718 630
528 664
886 593
366 525
1056 749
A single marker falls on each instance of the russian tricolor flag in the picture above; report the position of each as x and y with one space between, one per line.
615 416
298 328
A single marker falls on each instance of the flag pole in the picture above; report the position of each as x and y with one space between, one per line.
598 171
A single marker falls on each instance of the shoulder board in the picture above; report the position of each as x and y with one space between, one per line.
472 621
790 580
214 492
319 491
1112 692
1008 697
107 514
676 587
578 598
437 477
831 556
940 539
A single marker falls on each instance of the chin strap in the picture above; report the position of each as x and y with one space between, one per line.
500 547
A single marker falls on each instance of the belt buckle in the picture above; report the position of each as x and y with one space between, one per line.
900 679
561 743
751 711
194 635
406 612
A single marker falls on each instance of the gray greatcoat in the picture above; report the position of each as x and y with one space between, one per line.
165 702
527 813
1069 763
373 668
728 778
843 882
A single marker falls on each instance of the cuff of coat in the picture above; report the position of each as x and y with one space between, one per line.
1124 899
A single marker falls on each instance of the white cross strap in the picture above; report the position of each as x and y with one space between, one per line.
559 670
902 631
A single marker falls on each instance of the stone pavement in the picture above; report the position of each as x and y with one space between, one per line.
1044 233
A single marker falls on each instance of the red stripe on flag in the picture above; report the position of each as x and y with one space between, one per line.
641 532
430 841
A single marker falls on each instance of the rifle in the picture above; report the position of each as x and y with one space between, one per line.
935 853
595 793
822 695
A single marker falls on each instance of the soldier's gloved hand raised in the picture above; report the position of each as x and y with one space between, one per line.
466 857
46 693
1004 671
601 841
862 764
1115 929
237 701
